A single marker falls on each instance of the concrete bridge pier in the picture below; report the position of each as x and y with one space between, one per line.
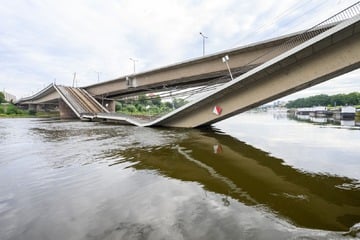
65 111
32 107
36 107
40 107
109 105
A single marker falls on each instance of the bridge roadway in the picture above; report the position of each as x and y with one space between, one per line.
79 101
275 69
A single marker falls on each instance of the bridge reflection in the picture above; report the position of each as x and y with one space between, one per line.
225 165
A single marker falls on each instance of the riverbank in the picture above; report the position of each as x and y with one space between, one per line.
8 110
37 115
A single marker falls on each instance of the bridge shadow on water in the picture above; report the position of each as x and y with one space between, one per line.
225 165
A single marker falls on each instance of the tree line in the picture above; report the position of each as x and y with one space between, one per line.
2 97
326 100
9 109
143 105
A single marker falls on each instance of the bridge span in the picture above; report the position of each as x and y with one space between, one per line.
263 72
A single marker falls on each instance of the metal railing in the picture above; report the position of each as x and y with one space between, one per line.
312 32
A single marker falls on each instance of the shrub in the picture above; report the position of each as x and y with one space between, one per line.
32 112
130 108
2 97
11 109
118 106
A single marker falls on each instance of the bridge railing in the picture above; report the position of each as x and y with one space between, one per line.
312 32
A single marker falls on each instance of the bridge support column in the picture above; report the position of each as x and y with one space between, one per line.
32 107
65 111
109 105
40 107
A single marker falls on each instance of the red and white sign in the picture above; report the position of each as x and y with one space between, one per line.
218 148
217 110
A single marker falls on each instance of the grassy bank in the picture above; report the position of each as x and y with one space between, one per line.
11 111
37 115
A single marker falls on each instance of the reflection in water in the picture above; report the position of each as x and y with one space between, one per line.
255 178
348 123
325 120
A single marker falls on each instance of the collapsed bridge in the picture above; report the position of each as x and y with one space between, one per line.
262 72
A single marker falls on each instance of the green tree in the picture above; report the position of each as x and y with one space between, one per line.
178 102
353 98
2 97
145 106
12 110
142 99
338 100
130 108
118 106
156 101
325 100
169 105
140 107
32 112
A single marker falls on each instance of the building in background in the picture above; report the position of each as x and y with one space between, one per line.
9 97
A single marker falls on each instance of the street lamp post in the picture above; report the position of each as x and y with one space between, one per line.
203 36
74 79
225 60
133 60
98 76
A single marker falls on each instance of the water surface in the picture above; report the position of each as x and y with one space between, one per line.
250 177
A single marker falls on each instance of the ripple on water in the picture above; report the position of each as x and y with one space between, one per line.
7 213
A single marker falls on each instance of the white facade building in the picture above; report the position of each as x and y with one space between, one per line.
9 97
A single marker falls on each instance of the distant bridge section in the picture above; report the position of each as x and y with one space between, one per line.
73 102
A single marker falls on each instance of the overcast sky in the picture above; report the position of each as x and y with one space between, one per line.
46 40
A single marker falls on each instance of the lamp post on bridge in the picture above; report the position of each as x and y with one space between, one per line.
74 79
133 60
225 60
98 76
204 37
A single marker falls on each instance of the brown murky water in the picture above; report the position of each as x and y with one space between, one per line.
254 176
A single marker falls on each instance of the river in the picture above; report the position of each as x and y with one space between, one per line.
254 176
